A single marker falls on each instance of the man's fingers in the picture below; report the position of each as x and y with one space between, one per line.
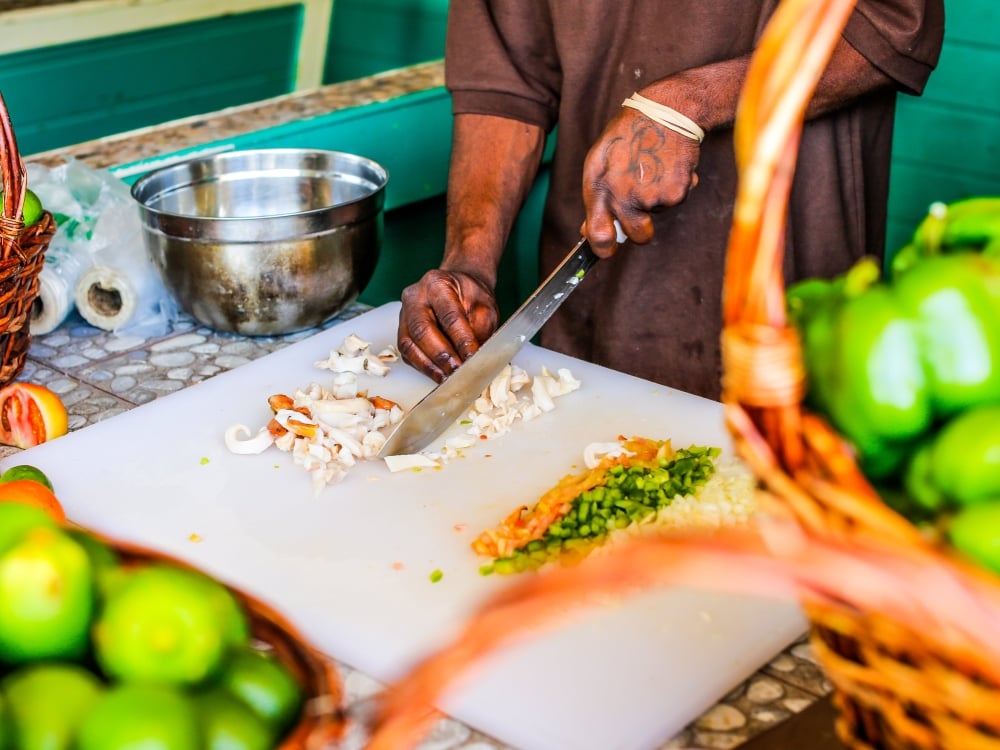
456 326
638 225
415 357
600 231
443 322
421 344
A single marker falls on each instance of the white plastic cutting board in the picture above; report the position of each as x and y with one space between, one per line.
627 676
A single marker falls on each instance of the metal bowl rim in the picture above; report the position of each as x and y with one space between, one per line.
149 176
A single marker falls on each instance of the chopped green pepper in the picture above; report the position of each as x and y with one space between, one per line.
630 495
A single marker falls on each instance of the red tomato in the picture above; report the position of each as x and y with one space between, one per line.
30 414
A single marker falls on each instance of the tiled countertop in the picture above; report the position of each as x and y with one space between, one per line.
99 375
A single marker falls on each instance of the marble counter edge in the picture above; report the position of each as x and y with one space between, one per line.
123 148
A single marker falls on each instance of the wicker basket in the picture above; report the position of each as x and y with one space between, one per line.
22 254
908 633
898 684
322 721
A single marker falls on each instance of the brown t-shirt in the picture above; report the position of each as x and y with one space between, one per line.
655 310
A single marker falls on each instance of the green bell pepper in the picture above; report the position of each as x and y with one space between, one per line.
885 362
962 461
969 224
863 364
954 303
975 530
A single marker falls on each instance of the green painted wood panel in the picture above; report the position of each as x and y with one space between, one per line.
409 135
946 143
967 78
414 243
973 21
957 149
370 36
70 93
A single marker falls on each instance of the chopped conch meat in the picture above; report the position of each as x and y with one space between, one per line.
329 428
355 356
238 440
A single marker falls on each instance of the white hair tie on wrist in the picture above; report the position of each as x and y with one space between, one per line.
666 116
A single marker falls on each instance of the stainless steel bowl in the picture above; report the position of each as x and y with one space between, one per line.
266 241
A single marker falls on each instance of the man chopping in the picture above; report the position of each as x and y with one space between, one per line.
644 94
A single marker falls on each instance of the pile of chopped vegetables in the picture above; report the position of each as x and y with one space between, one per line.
626 488
329 428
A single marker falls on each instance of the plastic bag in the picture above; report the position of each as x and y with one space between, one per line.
97 260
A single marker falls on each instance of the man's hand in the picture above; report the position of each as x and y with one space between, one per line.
445 317
638 167
635 168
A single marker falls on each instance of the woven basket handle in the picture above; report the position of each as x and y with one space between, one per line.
13 174
764 376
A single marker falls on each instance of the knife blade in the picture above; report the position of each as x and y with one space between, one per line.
440 408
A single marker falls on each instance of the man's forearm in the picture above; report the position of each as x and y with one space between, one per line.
709 95
494 162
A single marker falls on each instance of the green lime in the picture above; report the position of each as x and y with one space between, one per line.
17 519
104 560
24 471
130 716
47 702
262 682
46 598
233 619
160 624
6 725
975 530
227 723
31 210
235 623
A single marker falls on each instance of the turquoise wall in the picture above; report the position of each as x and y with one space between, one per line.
370 36
947 142
70 93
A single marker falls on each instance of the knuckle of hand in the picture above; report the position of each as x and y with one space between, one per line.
407 347
451 318
675 192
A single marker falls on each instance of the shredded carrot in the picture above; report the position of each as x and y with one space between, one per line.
525 525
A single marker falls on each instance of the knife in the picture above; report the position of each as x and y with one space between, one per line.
440 408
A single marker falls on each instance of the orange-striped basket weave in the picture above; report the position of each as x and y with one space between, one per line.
22 254
915 683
